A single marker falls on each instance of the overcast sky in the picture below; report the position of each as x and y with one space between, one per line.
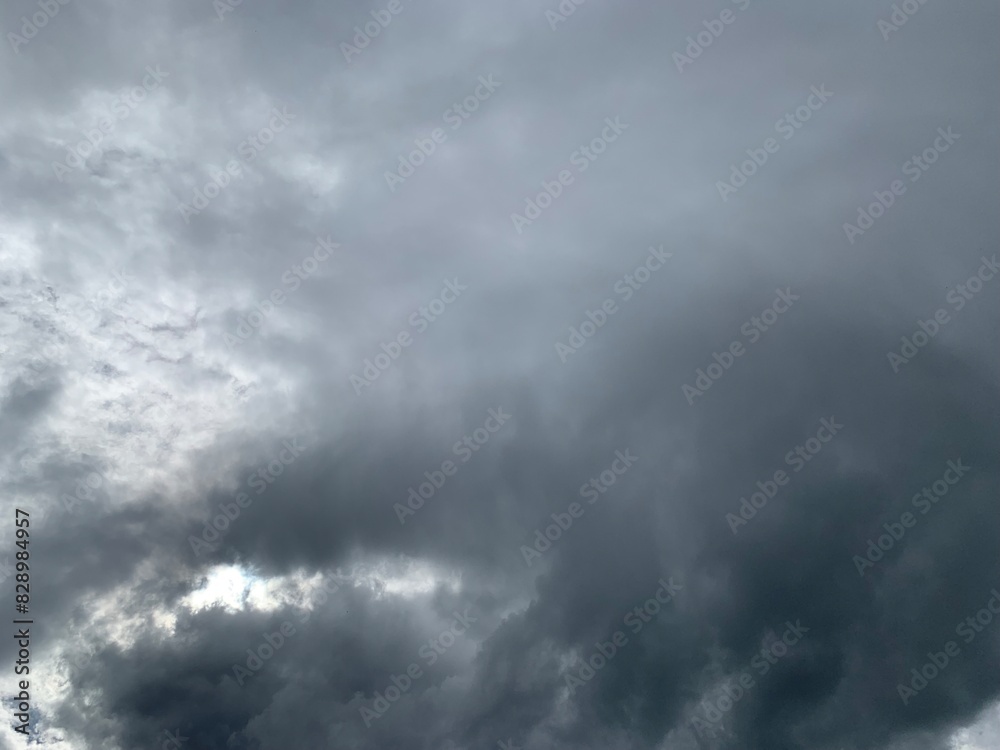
450 375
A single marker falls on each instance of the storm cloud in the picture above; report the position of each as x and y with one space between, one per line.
465 375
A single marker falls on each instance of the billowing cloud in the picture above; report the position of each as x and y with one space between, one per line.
470 375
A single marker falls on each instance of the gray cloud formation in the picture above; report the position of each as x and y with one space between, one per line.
175 532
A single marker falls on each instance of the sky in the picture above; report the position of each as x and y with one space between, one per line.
440 375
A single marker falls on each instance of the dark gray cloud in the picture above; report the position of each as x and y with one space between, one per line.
232 346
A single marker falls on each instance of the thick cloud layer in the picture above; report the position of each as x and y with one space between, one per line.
472 375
